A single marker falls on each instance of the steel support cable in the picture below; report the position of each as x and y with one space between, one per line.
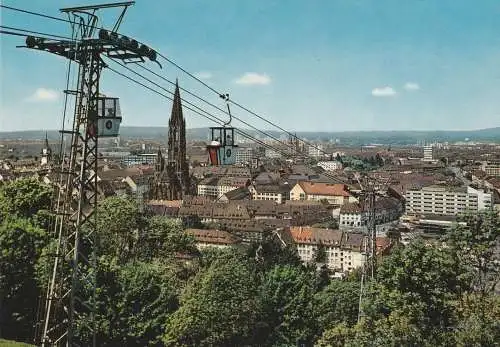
209 103
239 105
206 114
36 14
246 109
246 135
6 32
194 108
35 32
200 81
334 177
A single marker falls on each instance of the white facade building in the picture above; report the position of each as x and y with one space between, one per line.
216 187
353 215
429 153
316 151
331 165
271 153
244 155
272 192
343 251
447 200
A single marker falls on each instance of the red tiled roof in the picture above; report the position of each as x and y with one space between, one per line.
316 235
383 244
329 189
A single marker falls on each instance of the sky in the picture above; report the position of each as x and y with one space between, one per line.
316 65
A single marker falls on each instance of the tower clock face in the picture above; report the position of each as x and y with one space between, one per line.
228 152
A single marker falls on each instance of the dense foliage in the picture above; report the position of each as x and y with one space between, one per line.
155 288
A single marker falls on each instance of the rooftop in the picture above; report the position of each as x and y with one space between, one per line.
328 189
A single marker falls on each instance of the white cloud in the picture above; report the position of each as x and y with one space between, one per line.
252 78
204 75
44 95
383 91
411 86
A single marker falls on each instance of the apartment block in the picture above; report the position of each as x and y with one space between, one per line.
447 200
331 165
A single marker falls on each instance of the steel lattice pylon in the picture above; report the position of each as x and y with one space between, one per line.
72 284
368 199
75 254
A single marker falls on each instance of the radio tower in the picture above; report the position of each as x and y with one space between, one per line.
72 284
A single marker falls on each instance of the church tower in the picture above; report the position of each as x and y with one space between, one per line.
172 180
46 154
176 155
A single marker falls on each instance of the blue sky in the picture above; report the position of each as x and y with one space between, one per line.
328 65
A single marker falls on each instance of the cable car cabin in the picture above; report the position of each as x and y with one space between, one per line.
109 117
222 150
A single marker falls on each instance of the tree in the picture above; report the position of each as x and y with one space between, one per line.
475 244
24 198
271 252
339 158
119 222
339 335
286 294
20 247
162 238
219 307
134 301
336 303
478 319
394 235
415 293
319 255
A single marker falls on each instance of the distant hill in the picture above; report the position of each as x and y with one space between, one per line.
344 138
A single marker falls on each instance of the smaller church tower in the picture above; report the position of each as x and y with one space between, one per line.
46 156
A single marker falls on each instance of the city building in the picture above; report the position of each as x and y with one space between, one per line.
331 165
355 215
272 153
217 186
343 251
274 192
238 194
428 153
446 200
492 169
335 194
244 155
212 238
316 151
172 180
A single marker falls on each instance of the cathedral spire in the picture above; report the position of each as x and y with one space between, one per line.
177 105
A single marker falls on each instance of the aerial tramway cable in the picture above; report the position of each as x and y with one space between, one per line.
191 75
215 119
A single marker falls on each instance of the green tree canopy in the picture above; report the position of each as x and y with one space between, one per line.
20 247
134 301
336 303
476 244
287 297
119 222
24 198
219 307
